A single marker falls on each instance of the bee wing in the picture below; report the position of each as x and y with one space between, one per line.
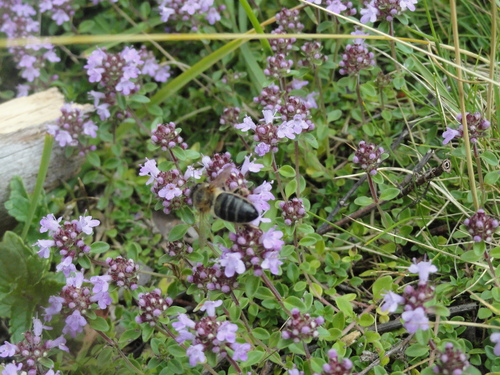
203 230
221 178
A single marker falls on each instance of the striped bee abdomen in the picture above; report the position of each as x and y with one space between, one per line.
234 208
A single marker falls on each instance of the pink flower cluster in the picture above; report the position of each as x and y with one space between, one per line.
189 12
481 226
209 334
19 20
267 134
60 10
75 300
178 249
230 117
385 10
69 238
368 157
356 57
413 299
169 187
29 353
292 210
451 361
121 73
72 128
167 136
476 124
301 326
123 272
336 366
152 306
252 248
212 278
338 6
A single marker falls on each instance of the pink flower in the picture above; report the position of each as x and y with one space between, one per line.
495 338
226 332
272 262
272 239
49 223
149 169
246 125
415 320
449 134
86 223
232 263
391 302
240 351
210 306
370 13
423 269
74 324
195 354
44 246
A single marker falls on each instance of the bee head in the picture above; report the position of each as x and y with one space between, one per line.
194 189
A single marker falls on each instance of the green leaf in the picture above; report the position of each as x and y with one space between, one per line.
255 23
484 313
470 256
251 285
389 194
94 159
380 285
299 286
368 89
86 26
366 320
490 158
386 115
491 178
176 350
18 204
145 9
99 247
291 188
263 293
495 252
99 324
417 350
287 171
310 140
334 115
154 110
139 99
292 301
260 333
254 356
84 262
310 239
255 71
178 232
344 304
363 201
130 335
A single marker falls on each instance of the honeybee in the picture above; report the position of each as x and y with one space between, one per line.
228 206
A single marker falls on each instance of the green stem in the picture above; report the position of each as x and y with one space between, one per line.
256 25
297 172
461 95
278 178
111 342
360 99
40 180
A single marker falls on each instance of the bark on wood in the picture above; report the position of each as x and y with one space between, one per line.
23 125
